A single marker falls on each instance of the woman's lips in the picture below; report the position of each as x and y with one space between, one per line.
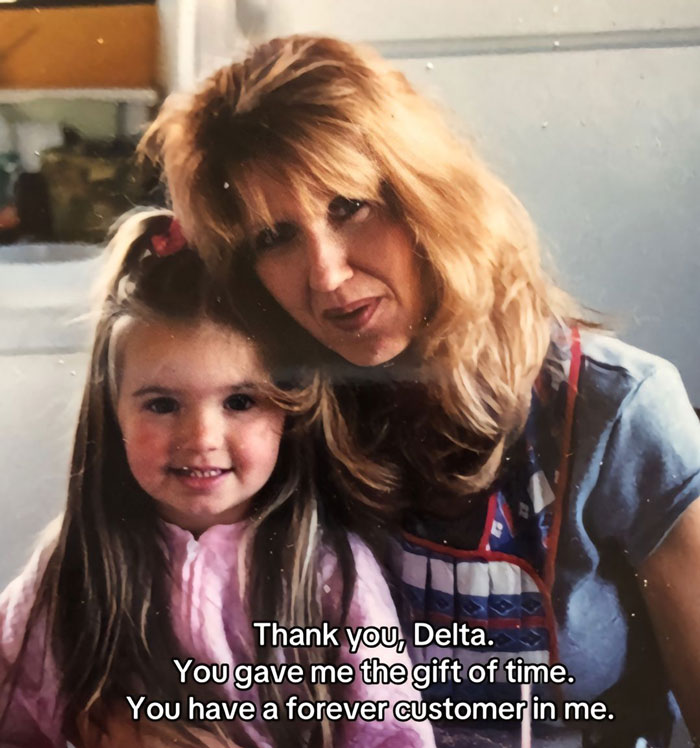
353 317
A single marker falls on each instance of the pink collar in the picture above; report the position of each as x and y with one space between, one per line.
217 536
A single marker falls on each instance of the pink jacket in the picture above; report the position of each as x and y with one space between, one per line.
210 623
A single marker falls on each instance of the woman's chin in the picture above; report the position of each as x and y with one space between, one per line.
368 356
370 350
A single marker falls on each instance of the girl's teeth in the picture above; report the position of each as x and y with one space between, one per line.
202 473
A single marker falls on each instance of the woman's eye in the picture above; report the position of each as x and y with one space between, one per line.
269 238
162 405
239 402
341 208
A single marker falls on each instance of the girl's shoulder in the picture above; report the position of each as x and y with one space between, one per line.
362 555
371 598
33 714
17 599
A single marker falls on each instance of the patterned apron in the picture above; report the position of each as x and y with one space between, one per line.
504 585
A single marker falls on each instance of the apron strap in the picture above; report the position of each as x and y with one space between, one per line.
561 479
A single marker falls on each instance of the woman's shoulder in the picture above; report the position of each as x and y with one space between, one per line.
609 362
636 442
612 378
619 382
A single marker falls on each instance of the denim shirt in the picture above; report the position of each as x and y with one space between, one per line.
633 468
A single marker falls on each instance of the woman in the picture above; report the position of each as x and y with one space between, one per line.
543 474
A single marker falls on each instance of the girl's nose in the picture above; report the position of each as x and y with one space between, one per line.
202 430
328 262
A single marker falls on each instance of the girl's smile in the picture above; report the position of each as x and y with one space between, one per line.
200 479
200 437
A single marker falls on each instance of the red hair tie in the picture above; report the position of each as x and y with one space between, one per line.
170 242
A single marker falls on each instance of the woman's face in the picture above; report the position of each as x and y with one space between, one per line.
345 271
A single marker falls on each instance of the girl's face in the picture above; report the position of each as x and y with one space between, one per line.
199 437
345 271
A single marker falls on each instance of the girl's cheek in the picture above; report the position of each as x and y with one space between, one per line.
269 425
142 434
262 442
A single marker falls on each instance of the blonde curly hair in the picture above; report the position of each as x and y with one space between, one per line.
321 114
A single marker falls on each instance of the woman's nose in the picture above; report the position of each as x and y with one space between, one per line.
329 265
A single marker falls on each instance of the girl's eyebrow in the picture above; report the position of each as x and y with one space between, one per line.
152 390
157 390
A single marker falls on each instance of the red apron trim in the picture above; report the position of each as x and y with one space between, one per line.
488 524
561 482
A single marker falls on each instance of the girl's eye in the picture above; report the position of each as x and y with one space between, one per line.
268 238
342 208
162 405
239 402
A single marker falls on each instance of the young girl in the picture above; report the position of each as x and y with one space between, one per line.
192 512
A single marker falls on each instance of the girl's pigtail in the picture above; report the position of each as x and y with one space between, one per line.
138 236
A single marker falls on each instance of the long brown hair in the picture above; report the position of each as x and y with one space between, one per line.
104 592
321 114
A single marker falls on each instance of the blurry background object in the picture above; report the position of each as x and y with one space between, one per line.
90 184
9 166
89 70
32 136
78 45
33 209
